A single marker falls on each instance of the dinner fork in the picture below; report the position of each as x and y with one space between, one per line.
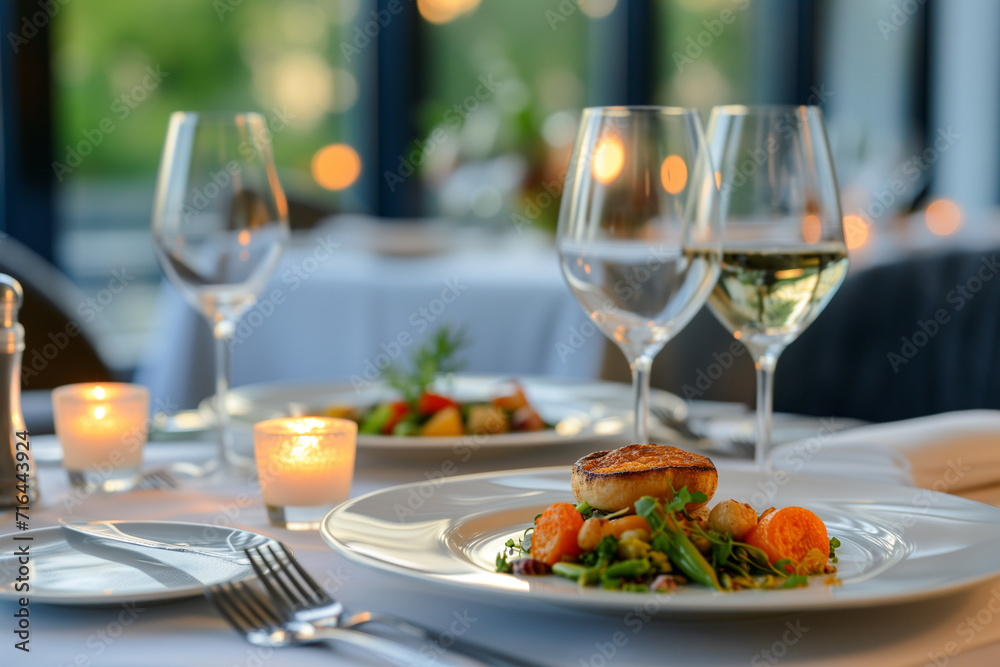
301 599
254 616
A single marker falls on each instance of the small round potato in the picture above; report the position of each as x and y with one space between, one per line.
736 519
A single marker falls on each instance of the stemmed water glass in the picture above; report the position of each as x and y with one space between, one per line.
783 253
219 222
639 237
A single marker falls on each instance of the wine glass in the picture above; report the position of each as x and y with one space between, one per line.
783 252
639 238
219 222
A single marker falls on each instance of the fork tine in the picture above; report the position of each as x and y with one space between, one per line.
280 593
322 597
286 575
222 598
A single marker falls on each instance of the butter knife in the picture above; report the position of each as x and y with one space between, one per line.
109 530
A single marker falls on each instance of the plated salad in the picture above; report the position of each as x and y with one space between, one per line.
419 411
659 542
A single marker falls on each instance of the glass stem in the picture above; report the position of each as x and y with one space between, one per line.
641 367
223 334
765 362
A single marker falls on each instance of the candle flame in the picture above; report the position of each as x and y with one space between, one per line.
99 412
305 447
99 392
609 159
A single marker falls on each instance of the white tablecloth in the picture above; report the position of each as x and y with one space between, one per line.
190 633
335 309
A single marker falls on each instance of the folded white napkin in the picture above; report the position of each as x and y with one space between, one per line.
948 452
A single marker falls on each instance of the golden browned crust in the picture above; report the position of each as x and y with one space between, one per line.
613 480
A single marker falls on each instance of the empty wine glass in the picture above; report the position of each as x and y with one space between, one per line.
639 238
219 222
783 254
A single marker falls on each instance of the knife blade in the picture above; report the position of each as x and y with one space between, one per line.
109 530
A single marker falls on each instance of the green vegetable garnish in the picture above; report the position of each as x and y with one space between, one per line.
434 357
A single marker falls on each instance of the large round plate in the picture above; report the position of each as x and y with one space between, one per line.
582 411
67 568
899 543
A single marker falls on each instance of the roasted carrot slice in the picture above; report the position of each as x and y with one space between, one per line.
791 532
555 532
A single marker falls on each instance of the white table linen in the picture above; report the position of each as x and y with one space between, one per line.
335 309
961 629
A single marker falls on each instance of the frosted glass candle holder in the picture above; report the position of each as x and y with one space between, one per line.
305 466
102 429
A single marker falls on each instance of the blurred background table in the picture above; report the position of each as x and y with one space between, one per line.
346 300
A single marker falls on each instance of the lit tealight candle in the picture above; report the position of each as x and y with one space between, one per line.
102 429
305 467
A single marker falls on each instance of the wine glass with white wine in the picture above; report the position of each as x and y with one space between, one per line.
639 238
783 253
219 223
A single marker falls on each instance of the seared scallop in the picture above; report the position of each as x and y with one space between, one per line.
614 480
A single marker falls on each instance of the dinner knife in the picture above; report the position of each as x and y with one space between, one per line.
109 530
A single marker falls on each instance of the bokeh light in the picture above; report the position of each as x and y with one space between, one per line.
609 158
856 231
336 166
443 11
597 9
674 174
812 228
943 217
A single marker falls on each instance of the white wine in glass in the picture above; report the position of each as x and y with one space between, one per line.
639 236
219 223
783 254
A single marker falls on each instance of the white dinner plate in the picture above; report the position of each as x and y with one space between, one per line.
582 411
67 568
898 543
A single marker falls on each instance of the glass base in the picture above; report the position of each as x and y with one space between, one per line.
115 481
297 518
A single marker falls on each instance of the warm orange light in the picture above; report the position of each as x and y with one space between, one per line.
609 159
99 392
336 166
856 231
442 11
812 228
99 412
718 179
597 9
943 216
244 237
674 174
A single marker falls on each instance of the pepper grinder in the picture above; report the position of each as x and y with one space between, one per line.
17 467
